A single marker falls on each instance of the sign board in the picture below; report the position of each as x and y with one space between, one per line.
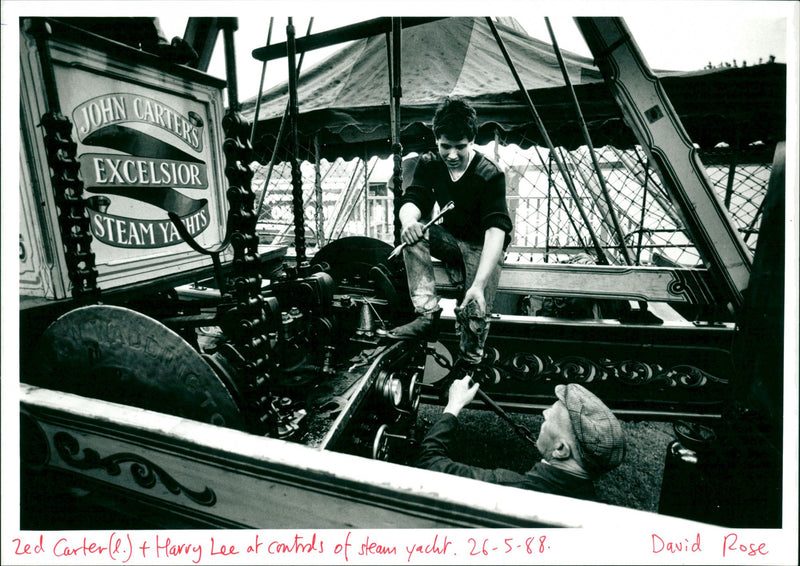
148 142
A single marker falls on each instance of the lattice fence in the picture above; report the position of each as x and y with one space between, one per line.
548 219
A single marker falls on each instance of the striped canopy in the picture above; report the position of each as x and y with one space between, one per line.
344 100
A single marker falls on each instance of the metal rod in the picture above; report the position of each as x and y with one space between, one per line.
345 197
260 88
366 196
297 180
281 130
40 29
320 211
605 227
521 430
550 183
231 25
751 229
446 208
585 131
641 223
601 256
395 85
731 177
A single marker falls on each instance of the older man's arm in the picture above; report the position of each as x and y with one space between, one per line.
434 449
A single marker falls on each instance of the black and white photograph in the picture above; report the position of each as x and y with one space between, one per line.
452 283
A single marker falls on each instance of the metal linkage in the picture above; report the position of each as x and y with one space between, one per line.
67 183
242 311
297 176
72 217
393 44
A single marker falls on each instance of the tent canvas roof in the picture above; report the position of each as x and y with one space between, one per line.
344 100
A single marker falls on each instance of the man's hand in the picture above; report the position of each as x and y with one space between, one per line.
461 394
475 294
412 233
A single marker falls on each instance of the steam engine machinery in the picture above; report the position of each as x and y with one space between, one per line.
124 187
325 378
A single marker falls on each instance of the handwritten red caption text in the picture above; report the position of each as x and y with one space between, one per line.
350 546
115 547
731 545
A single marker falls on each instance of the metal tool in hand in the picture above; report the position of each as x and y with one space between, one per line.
446 208
521 430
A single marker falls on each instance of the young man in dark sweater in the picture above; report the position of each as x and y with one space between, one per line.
470 239
580 440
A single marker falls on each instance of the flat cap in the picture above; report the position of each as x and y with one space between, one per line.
601 441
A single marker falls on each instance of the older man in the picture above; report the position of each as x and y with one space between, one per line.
580 439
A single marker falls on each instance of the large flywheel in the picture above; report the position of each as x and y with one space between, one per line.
119 355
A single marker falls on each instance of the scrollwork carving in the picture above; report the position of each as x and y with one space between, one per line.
143 472
577 369
526 366
692 377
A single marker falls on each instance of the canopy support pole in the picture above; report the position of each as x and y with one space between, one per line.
393 45
588 140
320 214
229 25
260 89
731 175
281 130
550 184
366 195
641 223
297 177
601 256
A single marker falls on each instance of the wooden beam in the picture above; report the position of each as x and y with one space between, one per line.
343 34
664 284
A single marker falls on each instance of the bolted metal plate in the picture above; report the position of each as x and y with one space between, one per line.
119 355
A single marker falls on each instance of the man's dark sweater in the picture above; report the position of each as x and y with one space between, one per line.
542 477
479 196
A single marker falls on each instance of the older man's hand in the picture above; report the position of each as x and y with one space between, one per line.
462 392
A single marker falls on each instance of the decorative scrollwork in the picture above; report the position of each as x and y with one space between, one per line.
677 287
635 372
144 473
692 377
526 366
577 369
